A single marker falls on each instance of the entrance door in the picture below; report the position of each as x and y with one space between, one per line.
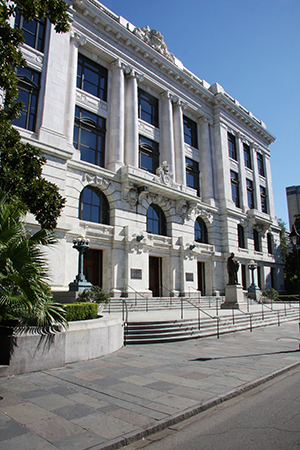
92 266
155 276
201 277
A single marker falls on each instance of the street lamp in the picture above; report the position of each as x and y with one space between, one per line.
81 244
295 240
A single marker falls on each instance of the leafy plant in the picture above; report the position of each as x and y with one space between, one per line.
94 295
24 291
270 293
81 311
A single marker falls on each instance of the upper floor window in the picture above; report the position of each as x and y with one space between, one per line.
247 155
93 206
148 107
149 154
270 243
201 231
156 220
89 136
34 31
241 236
192 174
190 132
250 194
260 164
28 85
91 77
232 146
235 188
263 199
256 239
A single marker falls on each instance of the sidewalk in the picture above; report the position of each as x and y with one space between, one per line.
115 399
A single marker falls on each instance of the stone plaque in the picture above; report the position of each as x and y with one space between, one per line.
189 276
136 274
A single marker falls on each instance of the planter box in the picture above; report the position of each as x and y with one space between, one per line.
83 340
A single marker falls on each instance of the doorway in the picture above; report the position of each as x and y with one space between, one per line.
201 277
155 276
92 266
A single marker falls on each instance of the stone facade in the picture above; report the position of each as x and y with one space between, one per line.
147 137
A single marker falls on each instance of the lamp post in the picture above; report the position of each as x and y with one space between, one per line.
81 244
253 290
295 240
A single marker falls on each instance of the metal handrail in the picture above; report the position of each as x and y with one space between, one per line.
141 295
241 311
201 310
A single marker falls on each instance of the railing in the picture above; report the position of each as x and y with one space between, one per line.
242 312
199 315
138 293
124 309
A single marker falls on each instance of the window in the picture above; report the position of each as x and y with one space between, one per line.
190 132
241 236
34 32
91 77
200 231
192 174
156 221
94 206
256 240
244 276
250 194
149 155
263 199
89 136
247 156
270 243
260 164
235 188
28 85
232 146
148 107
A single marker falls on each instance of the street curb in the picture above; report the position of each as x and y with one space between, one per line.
134 436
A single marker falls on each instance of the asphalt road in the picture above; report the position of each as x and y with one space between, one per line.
267 417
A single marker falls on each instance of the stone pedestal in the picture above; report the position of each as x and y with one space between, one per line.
233 296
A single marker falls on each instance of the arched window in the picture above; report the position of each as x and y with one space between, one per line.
94 206
156 220
201 231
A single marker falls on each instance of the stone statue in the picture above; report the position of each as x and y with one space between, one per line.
232 269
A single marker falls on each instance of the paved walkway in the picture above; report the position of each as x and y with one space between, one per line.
101 403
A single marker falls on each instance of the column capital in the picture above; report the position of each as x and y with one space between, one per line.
78 38
178 101
131 73
206 120
167 94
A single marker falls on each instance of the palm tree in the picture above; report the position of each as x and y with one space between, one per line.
24 291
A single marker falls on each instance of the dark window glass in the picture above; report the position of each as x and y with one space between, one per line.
94 206
232 146
241 236
148 107
28 85
263 199
244 276
89 136
149 154
247 156
256 241
190 132
235 188
201 231
270 243
92 78
260 164
34 32
250 194
156 221
192 174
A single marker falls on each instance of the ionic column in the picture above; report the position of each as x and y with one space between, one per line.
76 41
167 131
205 162
180 175
131 121
115 154
243 186
256 182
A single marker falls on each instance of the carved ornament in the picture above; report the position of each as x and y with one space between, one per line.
156 40
164 175
95 179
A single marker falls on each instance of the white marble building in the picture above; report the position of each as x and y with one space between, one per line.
163 172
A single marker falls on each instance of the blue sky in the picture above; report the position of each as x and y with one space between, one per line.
252 49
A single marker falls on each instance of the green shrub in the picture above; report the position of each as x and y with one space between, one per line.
81 311
94 295
270 293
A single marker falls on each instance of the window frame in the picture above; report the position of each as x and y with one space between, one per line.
32 88
151 117
250 193
149 149
190 131
241 236
85 66
263 199
160 221
256 240
260 164
192 170
103 207
235 190
38 34
232 150
247 156
270 243
89 125
201 228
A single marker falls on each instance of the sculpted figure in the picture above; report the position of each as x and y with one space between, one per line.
232 269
